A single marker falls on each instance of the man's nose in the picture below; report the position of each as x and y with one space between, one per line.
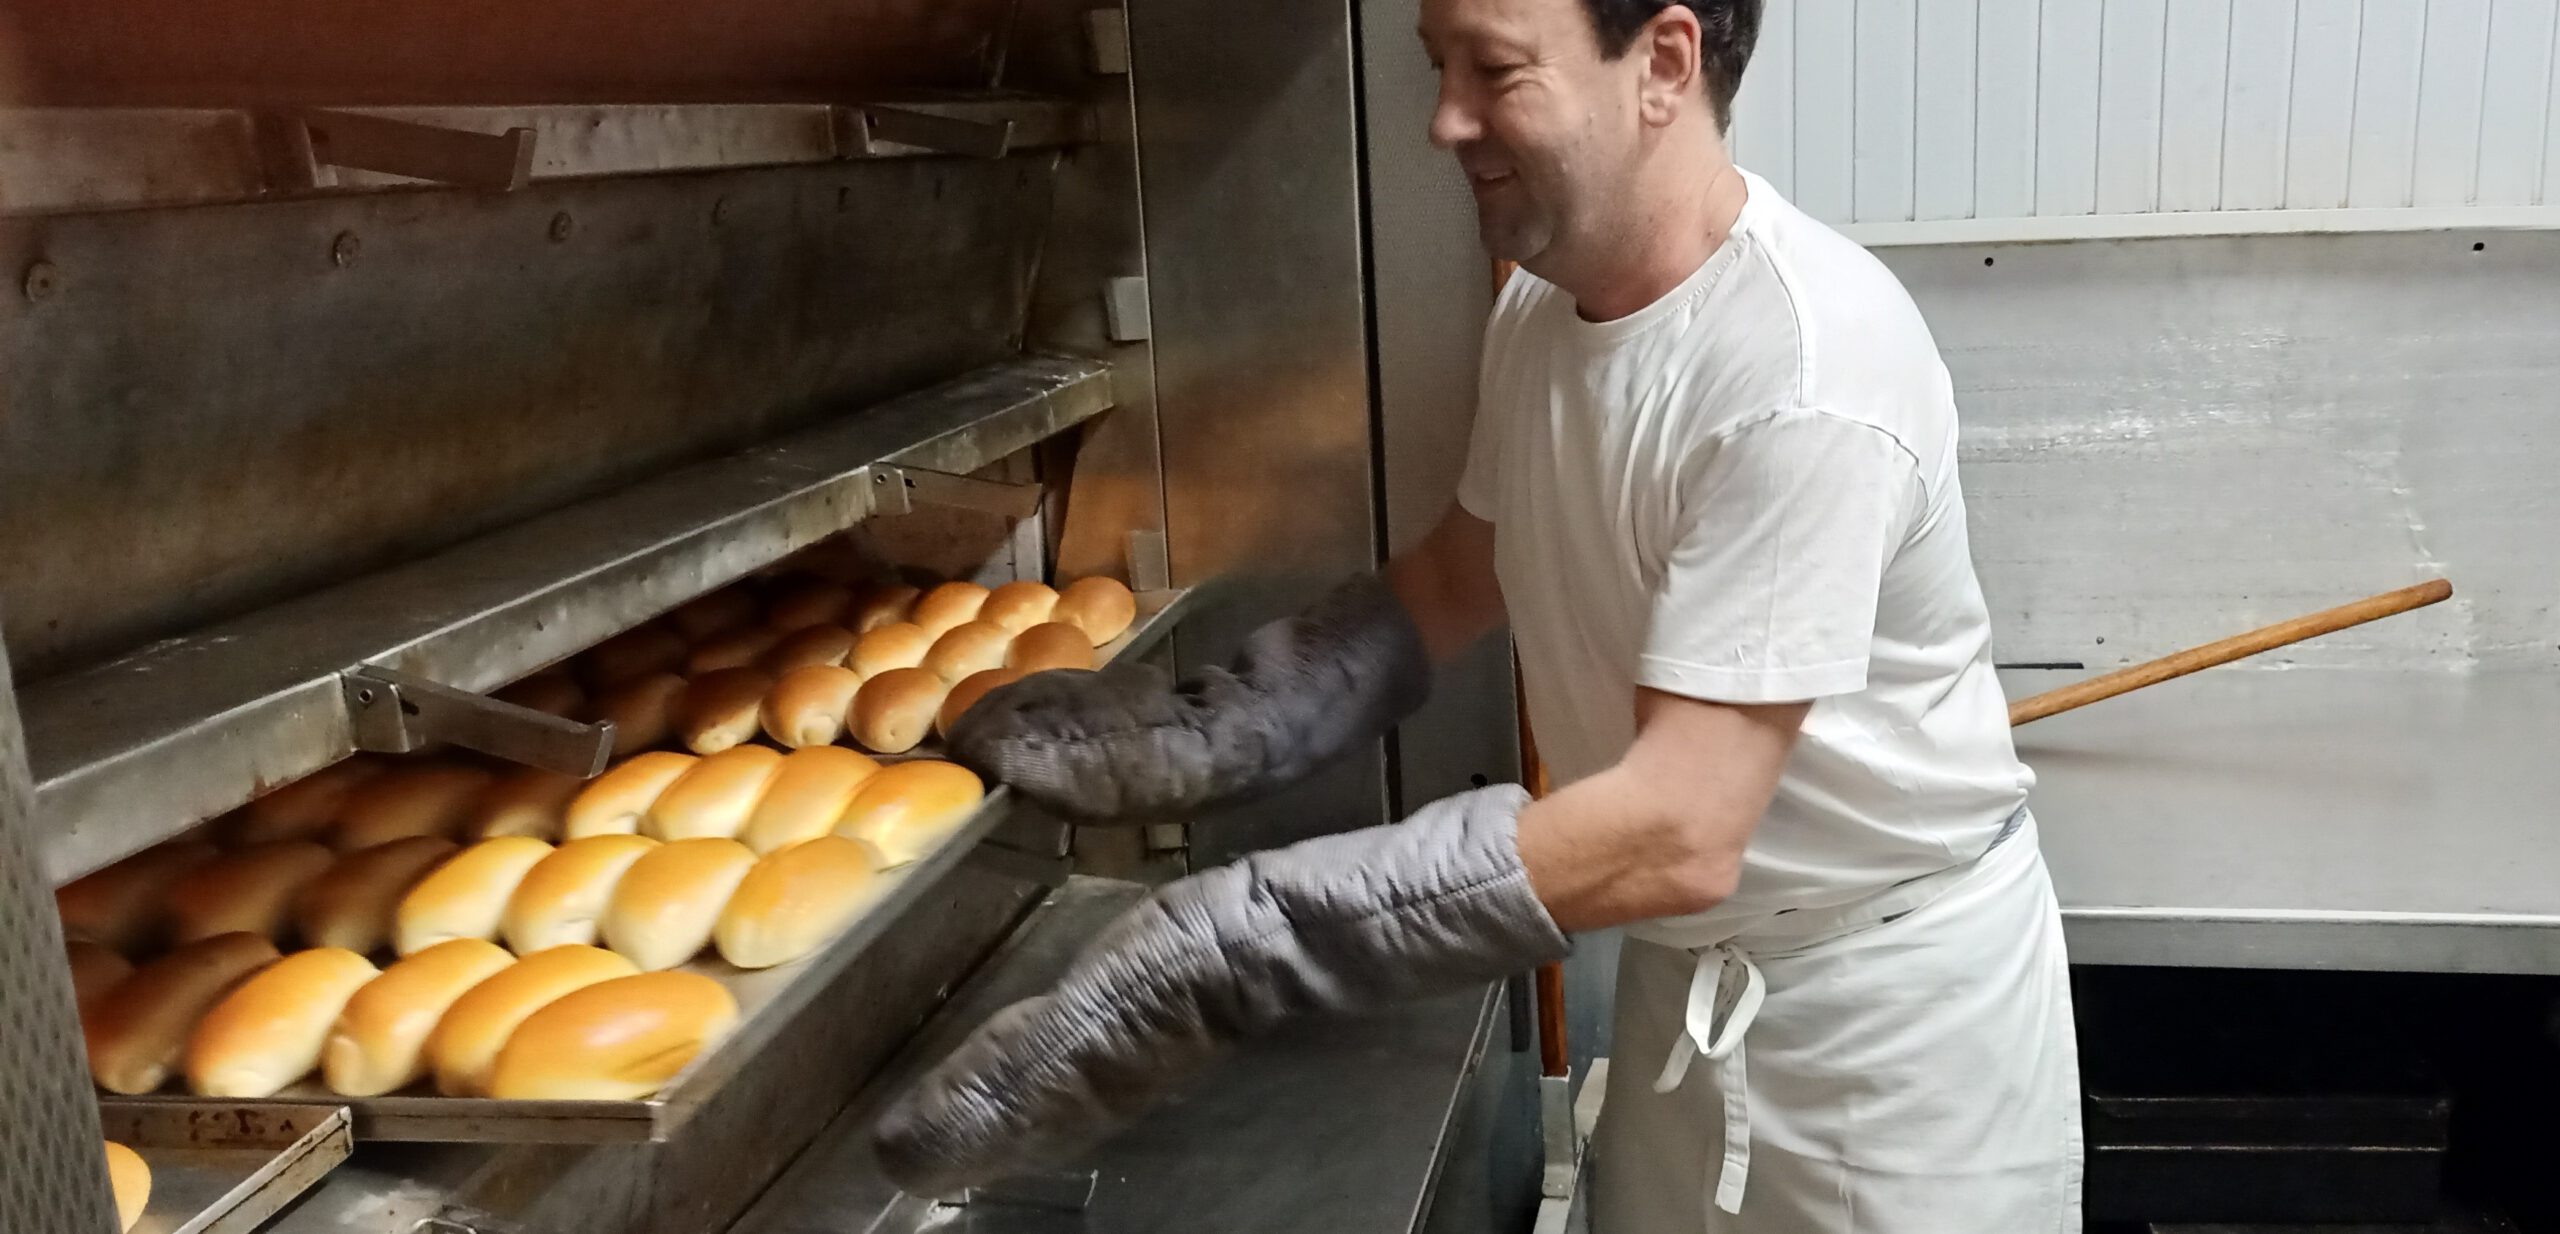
1453 118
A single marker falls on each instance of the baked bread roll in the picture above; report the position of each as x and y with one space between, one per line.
794 900
464 1047
808 602
1018 606
1050 645
949 605
96 968
900 644
908 808
619 1040
529 801
631 655
130 1179
824 644
467 896
663 909
715 797
126 905
268 1031
425 798
138 1031
553 691
709 616
740 648
379 1044
561 899
1101 607
885 605
806 797
895 709
720 709
808 706
353 903
970 647
972 688
304 809
615 802
249 891
643 711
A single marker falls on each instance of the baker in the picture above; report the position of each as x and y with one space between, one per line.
1713 489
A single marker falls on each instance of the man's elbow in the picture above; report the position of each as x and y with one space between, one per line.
1704 866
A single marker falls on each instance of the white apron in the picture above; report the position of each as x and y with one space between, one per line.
1903 1065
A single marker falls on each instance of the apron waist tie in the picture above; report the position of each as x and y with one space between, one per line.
1721 1044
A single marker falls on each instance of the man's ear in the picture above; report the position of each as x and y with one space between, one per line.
1670 50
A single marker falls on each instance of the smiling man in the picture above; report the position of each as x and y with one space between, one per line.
1713 491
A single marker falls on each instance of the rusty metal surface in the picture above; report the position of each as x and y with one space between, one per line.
218 408
218 1168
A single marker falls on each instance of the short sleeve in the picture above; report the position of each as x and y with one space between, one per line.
1478 487
1784 529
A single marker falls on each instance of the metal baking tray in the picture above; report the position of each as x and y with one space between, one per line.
768 999
223 1167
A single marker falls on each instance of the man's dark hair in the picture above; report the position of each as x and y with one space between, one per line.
1727 29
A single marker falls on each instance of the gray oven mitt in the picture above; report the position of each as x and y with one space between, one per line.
1126 744
1341 923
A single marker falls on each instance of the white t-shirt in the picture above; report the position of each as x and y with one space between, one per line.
1746 493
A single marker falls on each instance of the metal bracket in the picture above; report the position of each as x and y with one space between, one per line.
392 712
873 126
1126 317
1106 41
1167 837
1006 861
899 490
501 162
1066 1191
1150 563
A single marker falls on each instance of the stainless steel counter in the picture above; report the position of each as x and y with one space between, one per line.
2307 818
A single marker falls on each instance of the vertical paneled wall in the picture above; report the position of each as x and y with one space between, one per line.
1893 111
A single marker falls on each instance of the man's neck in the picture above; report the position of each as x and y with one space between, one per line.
1667 239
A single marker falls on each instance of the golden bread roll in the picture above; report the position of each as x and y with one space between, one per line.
130 1179
806 797
1101 607
615 802
95 969
808 706
901 644
529 801
126 905
1018 606
305 808
884 606
268 1031
908 808
740 648
618 1040
809 602
425 798
663 909
137 1033
635 653
794 900
467 896
561 900
972 688
808 645
465 1044
715 797
949 605
251 890
355 901
709 616
720 709
553 691
895 710
379 1044
970 647
1050 645
643 711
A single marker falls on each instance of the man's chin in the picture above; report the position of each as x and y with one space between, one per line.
1511 239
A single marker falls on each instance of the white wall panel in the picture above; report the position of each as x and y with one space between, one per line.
2006 36
2384 148
2067 108
2257 104
1886 108
2194 83
2515 102
2451 75
1826 107
2130 45
2321 130
1765 110
1942 120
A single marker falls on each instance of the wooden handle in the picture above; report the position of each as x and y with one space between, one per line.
1554 1059
2238 646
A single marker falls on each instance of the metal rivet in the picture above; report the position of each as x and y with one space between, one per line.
364 696
42 281
720 211
562 227
343 250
